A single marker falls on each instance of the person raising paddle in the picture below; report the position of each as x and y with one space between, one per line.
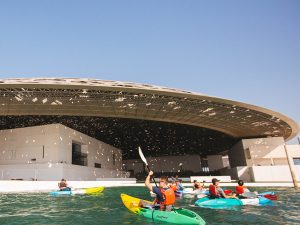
165 196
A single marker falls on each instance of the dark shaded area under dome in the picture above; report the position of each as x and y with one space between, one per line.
155 138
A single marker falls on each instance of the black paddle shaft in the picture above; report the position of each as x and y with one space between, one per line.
152 176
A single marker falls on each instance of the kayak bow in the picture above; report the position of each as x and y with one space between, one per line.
176 216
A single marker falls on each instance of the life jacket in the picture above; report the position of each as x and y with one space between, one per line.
239 190
169 198
213 190
173 186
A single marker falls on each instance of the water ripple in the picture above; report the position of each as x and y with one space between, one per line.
41 209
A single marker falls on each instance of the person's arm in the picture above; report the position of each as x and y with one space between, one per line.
147 181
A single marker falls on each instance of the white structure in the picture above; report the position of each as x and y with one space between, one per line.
52 152
263 160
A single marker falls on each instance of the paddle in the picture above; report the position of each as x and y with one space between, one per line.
146 163
249 195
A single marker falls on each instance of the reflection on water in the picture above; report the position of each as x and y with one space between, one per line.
107 208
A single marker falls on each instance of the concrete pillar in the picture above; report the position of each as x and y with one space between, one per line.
291 166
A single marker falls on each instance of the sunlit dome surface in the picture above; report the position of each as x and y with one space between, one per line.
164 121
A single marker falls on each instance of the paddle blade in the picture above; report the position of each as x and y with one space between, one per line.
142 156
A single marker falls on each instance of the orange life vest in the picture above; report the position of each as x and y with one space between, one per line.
169 198
213 190
239 189
173 186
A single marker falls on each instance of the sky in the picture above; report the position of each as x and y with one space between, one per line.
242 50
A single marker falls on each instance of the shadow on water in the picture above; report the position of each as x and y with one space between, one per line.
107 208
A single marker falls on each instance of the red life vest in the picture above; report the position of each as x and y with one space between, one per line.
169 198
213 190
239 189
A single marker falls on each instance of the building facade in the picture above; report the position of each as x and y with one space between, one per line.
53 152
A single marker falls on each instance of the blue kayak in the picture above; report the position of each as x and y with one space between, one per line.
221 203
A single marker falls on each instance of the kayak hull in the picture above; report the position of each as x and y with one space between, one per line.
178 216
83 191
219 203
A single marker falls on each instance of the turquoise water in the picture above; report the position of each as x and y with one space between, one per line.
107 208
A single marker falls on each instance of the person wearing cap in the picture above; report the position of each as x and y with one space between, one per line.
215 191
63 186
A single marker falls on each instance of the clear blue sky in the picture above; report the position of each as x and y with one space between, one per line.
242 50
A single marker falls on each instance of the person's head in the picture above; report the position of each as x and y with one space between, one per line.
241 183
163 182
195 181
215 181
63 180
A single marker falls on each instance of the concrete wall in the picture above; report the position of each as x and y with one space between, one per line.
262 160
166 164
51 145
237 155
273 173
264 151
225 160
56 171
237 173
215 162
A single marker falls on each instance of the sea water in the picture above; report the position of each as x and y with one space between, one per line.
107 208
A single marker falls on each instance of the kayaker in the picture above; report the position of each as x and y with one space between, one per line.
179 186
165 196
63 186
173 186
215 191
241 189
244 192
198 185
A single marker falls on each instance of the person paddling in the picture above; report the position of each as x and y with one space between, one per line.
63 186
165 196
179 186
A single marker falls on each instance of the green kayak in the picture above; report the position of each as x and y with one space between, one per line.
176 216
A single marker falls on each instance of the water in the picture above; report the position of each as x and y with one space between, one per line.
107 208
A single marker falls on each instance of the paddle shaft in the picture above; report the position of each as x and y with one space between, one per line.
152 176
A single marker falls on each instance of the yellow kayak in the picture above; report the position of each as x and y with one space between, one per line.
81 191
93 190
